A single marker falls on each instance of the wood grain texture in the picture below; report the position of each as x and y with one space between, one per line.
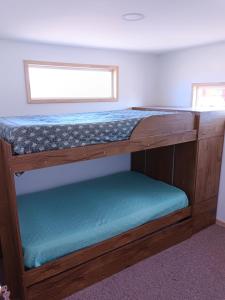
204 214
209 165
65 263
205 205
174 165
138 161
164 125
211 124
185 166
160 163
11 246
66 283
209 159
20 163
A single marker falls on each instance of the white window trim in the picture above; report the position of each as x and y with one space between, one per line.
194 91
115 81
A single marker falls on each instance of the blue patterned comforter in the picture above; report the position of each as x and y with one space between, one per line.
30 134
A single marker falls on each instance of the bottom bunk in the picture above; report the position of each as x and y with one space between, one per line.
62 220
75 235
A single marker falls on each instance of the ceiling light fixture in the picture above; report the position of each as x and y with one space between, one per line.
133 17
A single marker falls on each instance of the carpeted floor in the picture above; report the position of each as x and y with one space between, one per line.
192 270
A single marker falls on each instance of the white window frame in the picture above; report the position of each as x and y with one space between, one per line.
113 69
195 86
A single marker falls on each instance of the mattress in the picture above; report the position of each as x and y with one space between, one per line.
62 220
30 134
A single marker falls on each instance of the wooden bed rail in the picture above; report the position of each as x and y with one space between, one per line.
151 132
21 163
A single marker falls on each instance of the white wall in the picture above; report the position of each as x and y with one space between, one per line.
136 76
177 71
137 86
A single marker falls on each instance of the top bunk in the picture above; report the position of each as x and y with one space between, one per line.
32 142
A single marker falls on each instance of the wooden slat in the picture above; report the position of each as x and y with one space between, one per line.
185 165
60 265
66 283
20 163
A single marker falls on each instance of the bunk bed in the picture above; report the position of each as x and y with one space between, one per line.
169 194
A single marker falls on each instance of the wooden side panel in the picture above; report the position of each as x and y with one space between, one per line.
10 236
207 182
211 124
138 161
66 283
209 159
160 163
0 244
204 214
209 165
164 125
174 165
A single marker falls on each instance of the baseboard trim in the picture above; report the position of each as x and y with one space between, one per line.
220 223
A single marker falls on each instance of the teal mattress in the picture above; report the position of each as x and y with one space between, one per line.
59 221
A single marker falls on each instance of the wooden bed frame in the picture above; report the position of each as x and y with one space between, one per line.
183 149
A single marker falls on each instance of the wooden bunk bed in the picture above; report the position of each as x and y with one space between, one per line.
182 148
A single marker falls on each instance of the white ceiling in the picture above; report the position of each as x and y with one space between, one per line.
169 24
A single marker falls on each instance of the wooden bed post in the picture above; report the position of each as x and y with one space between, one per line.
9 227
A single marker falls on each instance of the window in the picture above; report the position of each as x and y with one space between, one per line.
61 82
206 95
